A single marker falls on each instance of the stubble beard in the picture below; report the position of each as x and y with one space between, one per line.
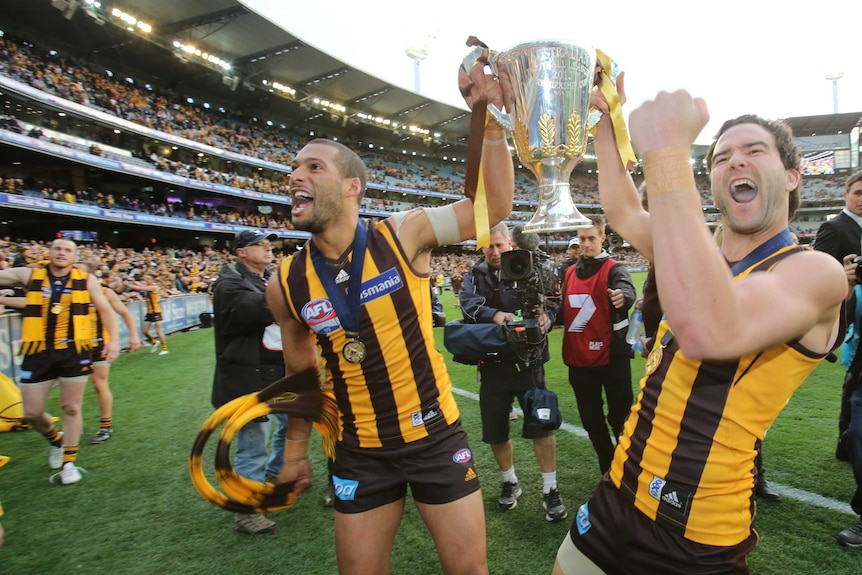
310 225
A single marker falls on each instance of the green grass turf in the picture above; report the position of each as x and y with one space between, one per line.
136 511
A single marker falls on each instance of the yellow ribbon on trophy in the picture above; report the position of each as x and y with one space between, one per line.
608 88
480 210
474 181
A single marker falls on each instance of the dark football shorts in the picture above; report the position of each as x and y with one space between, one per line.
49 365
439 469
616 536
501 385
97 354
153 317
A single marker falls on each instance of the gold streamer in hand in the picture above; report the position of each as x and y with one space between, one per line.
608 89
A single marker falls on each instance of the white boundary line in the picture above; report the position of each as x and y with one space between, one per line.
784 490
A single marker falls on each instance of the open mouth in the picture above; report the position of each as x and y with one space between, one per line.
743 191
301 201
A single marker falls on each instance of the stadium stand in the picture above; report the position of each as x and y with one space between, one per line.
98 145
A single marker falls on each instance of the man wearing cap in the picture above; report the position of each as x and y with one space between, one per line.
248 354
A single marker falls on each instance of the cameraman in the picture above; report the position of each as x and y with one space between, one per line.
484 298
597 294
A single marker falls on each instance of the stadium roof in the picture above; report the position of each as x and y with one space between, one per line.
257 51
824 125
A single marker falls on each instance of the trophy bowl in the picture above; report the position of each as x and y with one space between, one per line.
548 116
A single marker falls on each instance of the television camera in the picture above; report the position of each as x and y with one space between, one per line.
531 272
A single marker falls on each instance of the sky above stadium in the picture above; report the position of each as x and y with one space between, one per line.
742 56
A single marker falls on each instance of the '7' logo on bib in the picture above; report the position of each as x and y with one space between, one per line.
584 302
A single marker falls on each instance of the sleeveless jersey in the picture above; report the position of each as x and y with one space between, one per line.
100 332
686 454
153 305
587 340
401 391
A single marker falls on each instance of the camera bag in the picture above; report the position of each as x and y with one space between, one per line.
470 343
543 407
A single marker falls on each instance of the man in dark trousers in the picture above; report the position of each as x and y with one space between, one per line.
840 238
597 294
248 354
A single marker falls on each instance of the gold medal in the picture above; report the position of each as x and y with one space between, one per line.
654 359
56 308
354 351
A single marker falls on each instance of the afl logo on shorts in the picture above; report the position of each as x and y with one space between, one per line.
462 456
320 316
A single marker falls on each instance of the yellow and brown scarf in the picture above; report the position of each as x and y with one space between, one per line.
75 309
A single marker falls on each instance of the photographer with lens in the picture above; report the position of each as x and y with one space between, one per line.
486 297
597 294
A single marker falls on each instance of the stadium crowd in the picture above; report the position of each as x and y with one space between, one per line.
180 271
406 178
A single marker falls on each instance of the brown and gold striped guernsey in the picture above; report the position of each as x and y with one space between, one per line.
686 455
401 392
153 305
100 331
41 329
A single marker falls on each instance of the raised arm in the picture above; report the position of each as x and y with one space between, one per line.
138 286
695 283
617 191
416 233
15 276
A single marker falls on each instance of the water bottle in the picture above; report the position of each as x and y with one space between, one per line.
635 328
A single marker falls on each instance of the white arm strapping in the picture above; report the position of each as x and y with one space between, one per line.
445 224
443 220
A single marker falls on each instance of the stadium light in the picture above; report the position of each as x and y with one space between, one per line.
834 77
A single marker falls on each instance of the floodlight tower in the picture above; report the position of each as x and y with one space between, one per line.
417 54
835 77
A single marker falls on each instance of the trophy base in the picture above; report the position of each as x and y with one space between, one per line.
541 225
557 212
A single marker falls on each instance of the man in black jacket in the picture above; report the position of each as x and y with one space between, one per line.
486 299
840 238
248 354
597 294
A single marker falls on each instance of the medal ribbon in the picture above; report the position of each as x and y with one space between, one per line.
347 309
781 240
775 243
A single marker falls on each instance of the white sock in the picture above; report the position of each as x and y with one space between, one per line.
509 475
549 481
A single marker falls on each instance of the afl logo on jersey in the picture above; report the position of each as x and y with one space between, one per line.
320 316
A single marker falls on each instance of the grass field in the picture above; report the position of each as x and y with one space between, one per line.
136 511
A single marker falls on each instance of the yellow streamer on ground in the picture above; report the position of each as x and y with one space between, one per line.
608 88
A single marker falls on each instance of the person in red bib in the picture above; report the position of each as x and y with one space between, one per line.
597 294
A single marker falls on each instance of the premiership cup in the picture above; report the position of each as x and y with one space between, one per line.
548 116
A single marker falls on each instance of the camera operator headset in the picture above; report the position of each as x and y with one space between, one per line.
486 298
